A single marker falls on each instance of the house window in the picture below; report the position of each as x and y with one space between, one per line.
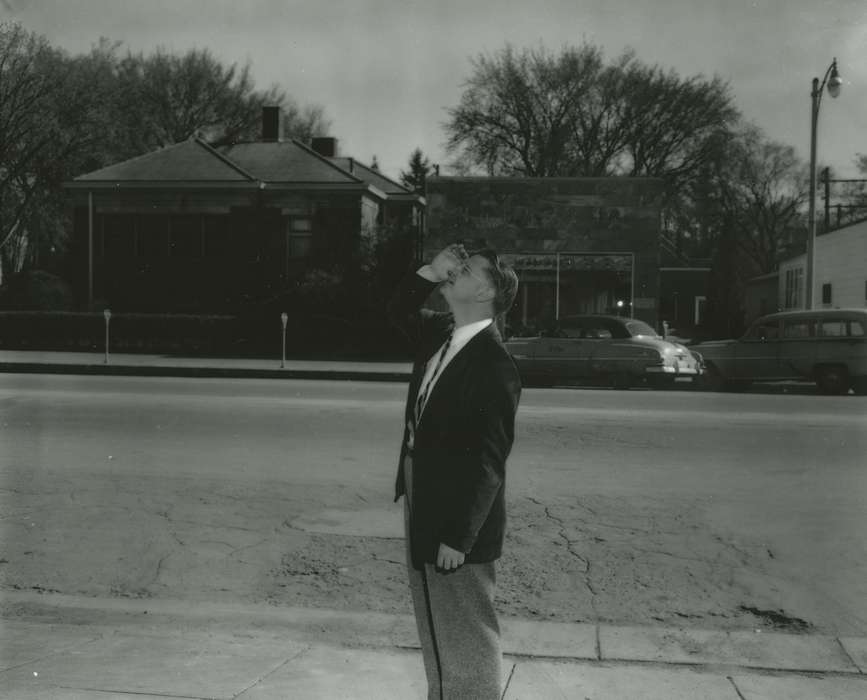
299 237
826 293
794 287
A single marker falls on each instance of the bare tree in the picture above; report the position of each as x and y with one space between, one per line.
517 110
534 113
671 122
165 98
63 115
303 123
765 195
751 189
849 198
50 117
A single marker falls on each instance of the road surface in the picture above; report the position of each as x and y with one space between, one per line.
634 507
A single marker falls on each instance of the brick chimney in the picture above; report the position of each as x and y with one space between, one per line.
272 122
325 146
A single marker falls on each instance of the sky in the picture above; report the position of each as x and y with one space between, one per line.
386 71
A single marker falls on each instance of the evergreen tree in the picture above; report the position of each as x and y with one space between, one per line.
419 168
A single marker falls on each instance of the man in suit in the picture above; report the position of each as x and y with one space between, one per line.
459 429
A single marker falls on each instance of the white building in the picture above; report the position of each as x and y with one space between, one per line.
840 274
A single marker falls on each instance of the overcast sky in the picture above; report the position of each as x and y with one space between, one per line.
386 70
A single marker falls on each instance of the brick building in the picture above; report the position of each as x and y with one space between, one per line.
579 245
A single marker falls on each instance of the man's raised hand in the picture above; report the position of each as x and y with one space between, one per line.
448 262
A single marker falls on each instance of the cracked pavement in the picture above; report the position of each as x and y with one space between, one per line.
194 490
593 559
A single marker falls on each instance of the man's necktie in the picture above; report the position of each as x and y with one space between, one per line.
421 399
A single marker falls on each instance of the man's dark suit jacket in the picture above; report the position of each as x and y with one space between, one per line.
463 438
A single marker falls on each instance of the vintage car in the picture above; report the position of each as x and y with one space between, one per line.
825 346
611 349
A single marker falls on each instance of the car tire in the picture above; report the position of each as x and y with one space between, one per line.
832 380
712 379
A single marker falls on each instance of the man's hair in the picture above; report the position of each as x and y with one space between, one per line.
504 279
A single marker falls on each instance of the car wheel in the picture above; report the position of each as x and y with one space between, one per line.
832 379
712 379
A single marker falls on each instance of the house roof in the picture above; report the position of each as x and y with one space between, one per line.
191 160
371 176
194 163
286 161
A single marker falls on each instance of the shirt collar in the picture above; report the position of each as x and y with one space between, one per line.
463 334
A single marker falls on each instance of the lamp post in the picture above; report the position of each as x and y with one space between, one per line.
834 82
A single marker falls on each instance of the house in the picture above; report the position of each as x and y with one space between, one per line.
195 228
840 271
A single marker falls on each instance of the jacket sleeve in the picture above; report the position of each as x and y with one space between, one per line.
405 312
498 396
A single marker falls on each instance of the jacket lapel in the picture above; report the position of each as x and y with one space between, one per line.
427 351
454 370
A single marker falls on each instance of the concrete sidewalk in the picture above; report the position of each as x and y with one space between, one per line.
57 647
47 362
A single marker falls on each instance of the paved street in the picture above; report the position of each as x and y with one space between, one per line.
678 508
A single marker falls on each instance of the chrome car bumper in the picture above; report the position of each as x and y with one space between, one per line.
676 371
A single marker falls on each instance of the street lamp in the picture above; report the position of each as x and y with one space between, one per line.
834 82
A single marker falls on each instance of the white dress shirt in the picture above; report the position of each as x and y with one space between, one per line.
460 337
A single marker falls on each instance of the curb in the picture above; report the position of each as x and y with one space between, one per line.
202 372
560 641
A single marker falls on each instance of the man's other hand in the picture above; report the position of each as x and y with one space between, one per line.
449 559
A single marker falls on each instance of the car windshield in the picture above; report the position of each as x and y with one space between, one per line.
640 328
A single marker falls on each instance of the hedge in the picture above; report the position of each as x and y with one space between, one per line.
248 334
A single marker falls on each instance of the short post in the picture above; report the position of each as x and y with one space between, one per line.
107 315
284 317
